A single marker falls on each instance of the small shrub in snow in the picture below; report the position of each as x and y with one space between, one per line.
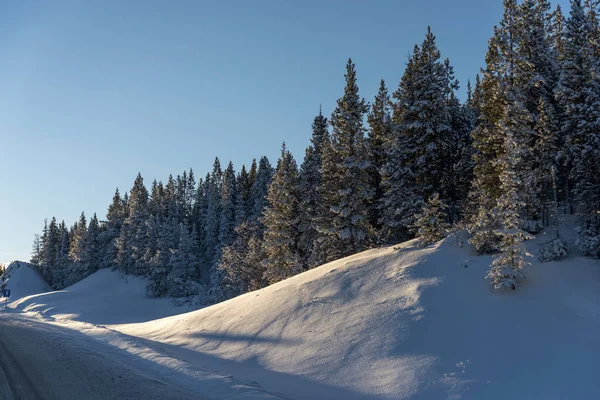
554 250
588 242
431 224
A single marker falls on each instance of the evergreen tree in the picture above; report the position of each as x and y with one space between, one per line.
115 217
420 158
310 189
132 242
578 94
228 205
91 259
350 204
431 224
264 175
78 244
183 264
488 145
380 138
241 266
281 220
213 218
507 267
244 192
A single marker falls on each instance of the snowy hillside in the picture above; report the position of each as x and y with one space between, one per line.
106 297
23 280
399 322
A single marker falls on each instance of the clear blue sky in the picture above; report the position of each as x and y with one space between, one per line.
91 92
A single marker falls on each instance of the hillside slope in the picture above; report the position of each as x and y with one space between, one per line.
404 322
393 323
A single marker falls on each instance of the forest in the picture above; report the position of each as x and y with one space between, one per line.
521 149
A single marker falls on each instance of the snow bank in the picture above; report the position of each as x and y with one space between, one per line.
23 280
400 322
403 322
105 297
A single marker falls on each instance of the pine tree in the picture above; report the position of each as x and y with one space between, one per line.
488 145
36 250
507 267
380 138
91 259
350 204
212 221
430 225
310 189
183 264
132 242
168 239
244 192
241 266
115 217
78 246
578 95
420 159
398 179
264 175
281 220
228 206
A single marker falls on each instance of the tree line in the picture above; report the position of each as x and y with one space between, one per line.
525 142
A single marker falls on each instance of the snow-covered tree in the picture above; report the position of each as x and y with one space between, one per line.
311 204
228 206
507 267
241 265
183 264
420 160
281 220
78 243
213 218
260 187
380 138
349 192
131 244
431 224
115 218
579 96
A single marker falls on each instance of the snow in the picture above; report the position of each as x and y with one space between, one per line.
23 280
400 322
106 297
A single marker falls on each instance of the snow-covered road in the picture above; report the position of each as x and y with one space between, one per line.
44 361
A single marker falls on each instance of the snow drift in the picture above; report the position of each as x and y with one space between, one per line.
105 297
400 322
23 280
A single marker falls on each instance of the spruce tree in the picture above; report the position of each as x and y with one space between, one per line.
507 267
132 242
380 138
311 204
77 252
578 95
281 220
212 221
430 225
260 187
349 205
115 218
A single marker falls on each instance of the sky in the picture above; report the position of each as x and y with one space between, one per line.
93 92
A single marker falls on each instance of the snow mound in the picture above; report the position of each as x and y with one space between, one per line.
105 297
403 323
23 280
400 322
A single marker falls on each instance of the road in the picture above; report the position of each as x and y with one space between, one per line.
40 361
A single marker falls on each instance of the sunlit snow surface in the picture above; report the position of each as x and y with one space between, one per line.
399 322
